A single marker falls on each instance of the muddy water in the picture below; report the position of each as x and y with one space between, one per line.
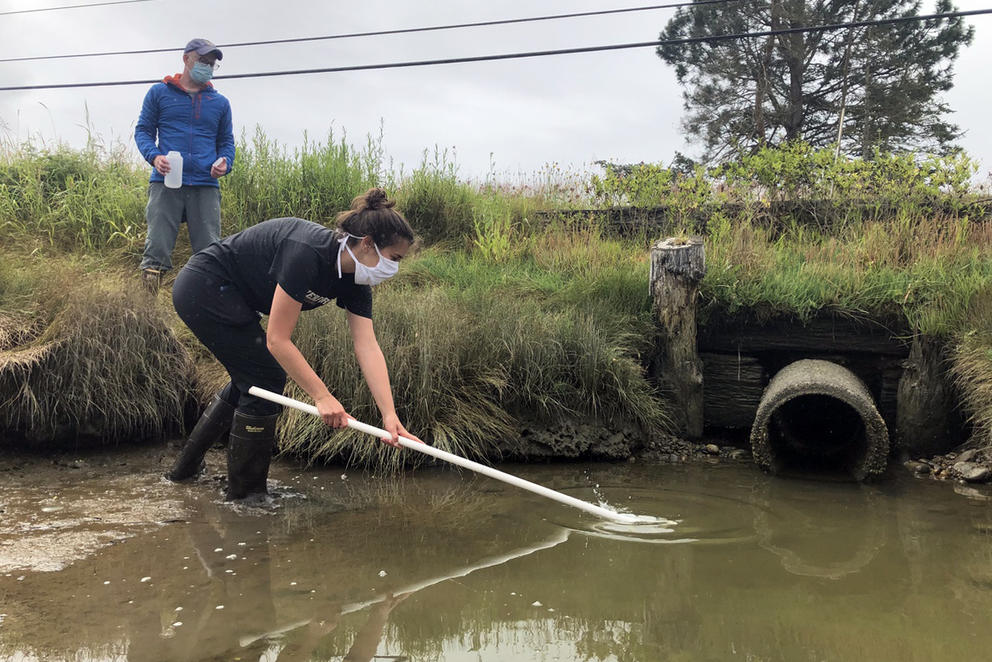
103 560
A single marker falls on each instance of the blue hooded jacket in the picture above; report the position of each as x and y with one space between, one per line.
197 125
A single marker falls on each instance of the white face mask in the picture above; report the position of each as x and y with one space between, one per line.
365 275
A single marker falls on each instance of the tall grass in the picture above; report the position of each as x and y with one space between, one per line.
314 181
87 199
94 199
93 363
971 365
468 373
435 201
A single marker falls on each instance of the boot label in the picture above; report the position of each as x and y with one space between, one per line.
253 428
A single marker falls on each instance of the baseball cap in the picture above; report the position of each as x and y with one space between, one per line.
202 47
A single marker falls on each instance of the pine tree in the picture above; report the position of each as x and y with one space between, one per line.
868 88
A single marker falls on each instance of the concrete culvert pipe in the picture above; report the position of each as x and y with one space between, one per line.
818 416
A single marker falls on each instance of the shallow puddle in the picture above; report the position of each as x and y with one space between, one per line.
107 561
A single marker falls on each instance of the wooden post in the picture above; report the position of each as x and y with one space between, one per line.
677 266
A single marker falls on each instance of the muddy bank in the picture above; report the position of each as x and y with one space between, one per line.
589 440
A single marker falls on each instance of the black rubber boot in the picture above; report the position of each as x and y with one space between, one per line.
249 453
212 426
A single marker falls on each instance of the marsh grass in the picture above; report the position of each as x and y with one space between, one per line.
497 237
971 365
100 366
94 199
437 203
314 181
89 199
467 372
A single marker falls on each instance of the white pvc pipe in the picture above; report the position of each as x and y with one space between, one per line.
599 511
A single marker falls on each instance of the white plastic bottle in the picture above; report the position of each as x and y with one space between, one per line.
174 178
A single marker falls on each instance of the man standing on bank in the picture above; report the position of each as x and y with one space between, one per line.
184 113
280 267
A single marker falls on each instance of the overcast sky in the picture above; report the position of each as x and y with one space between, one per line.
518 114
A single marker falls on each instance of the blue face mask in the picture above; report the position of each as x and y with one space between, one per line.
201 73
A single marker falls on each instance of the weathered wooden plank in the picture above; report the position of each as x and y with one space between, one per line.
889 375
732 388
824 334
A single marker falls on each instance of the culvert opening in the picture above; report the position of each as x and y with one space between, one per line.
818 415
817 433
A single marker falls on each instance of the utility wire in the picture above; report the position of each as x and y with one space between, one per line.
514 56
351 35
94 4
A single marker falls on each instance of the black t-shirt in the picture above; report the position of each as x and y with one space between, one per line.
299 255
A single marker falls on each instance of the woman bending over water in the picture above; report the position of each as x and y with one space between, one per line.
280 267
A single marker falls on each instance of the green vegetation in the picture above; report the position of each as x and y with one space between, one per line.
971 364
795 231
923 274
509 311
855 190
79 356
89 199
315 181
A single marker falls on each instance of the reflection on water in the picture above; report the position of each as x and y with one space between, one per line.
440 566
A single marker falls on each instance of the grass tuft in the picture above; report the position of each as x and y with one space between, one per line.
971 365
103 367
467 374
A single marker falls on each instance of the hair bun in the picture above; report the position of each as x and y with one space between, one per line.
372 214
376 198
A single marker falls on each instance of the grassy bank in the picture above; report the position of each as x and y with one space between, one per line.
507 312
80 356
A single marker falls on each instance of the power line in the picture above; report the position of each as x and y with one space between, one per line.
378 33
514 56
94 4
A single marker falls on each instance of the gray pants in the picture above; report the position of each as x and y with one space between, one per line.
199 206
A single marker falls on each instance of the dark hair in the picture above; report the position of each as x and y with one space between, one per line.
373 215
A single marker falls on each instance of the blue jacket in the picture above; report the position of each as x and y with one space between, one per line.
197 125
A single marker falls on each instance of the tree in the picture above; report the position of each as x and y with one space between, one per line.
867 88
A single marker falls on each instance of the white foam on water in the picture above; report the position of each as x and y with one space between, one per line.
626 518
657 533
631 519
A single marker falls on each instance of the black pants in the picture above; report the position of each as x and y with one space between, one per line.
218 315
